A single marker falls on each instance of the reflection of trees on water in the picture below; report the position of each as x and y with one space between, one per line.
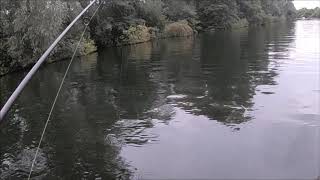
76 144
215 75
114 101
232 65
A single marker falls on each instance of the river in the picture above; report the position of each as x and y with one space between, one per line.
240 104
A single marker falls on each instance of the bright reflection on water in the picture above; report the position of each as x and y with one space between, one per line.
241 104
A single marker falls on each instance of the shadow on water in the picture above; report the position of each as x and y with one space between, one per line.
111 98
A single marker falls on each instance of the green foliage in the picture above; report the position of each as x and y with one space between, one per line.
316 13
252 11
30 26
36 28
276 8
151 11
309 13
88 47
120 9
176 10
219 14
135 34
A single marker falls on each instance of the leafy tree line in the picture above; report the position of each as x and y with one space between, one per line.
309 13
29 26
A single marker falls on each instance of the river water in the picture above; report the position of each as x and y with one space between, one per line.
238 104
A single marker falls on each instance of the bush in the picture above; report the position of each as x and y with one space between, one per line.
178 29
88 47
135 34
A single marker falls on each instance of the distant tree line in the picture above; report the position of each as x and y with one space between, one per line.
309 13
29 26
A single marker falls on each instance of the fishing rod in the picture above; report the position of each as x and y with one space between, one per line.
35 68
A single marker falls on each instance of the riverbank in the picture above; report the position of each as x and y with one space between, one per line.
133 35
120 23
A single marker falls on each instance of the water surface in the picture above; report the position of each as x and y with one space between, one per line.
234 104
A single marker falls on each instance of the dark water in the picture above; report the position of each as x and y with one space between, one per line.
241 104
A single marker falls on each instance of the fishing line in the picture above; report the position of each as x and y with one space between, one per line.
59 90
